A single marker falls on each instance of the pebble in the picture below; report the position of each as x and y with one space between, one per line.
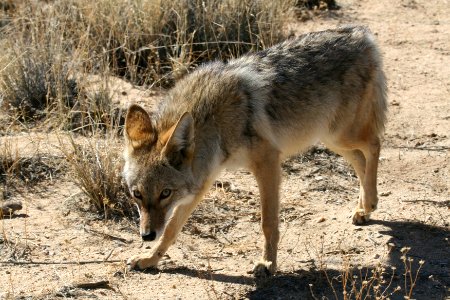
321 219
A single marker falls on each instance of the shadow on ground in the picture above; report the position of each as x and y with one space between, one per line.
427 243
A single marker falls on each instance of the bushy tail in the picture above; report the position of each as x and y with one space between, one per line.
380 99
379 96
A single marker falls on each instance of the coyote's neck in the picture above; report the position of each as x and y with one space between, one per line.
207 163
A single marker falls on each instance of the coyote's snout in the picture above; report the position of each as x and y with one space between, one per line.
252 112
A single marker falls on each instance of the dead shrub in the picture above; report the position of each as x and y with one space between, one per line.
96 168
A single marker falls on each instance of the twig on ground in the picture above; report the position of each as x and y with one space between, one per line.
103 284
431 148
81 262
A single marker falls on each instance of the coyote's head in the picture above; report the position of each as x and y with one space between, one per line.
157 168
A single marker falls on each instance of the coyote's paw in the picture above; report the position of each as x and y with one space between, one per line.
360 217
142 262
264 269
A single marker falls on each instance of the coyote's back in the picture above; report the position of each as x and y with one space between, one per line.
252 112
304 89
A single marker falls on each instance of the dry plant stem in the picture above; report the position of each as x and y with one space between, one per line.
413 281
81 262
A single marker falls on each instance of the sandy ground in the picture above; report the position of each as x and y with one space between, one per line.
216 250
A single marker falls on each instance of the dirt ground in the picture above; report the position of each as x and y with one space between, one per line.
217 248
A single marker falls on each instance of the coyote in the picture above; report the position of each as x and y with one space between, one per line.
253 112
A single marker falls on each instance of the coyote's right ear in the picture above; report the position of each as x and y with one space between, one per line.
179 149
138 127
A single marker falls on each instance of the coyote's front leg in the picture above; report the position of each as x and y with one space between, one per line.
173 226
266 168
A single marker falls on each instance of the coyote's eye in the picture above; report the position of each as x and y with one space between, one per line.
165 194
137 194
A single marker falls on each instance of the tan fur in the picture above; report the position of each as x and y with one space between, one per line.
253 112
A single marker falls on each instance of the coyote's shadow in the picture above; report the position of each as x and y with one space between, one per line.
427 243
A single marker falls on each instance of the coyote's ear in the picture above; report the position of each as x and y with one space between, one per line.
180 146
138 127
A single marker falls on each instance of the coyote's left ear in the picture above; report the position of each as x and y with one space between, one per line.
180 146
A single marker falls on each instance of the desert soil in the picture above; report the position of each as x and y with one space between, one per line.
217 248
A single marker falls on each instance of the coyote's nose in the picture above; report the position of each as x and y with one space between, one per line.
149 237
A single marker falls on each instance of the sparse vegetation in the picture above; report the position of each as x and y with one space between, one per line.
356 282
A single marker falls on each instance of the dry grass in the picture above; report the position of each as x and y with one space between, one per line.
46 46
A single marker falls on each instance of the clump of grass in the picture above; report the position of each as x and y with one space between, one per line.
95 167
95 112
31 89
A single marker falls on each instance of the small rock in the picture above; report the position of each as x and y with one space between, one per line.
251 202
321 219
376 256
385 194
